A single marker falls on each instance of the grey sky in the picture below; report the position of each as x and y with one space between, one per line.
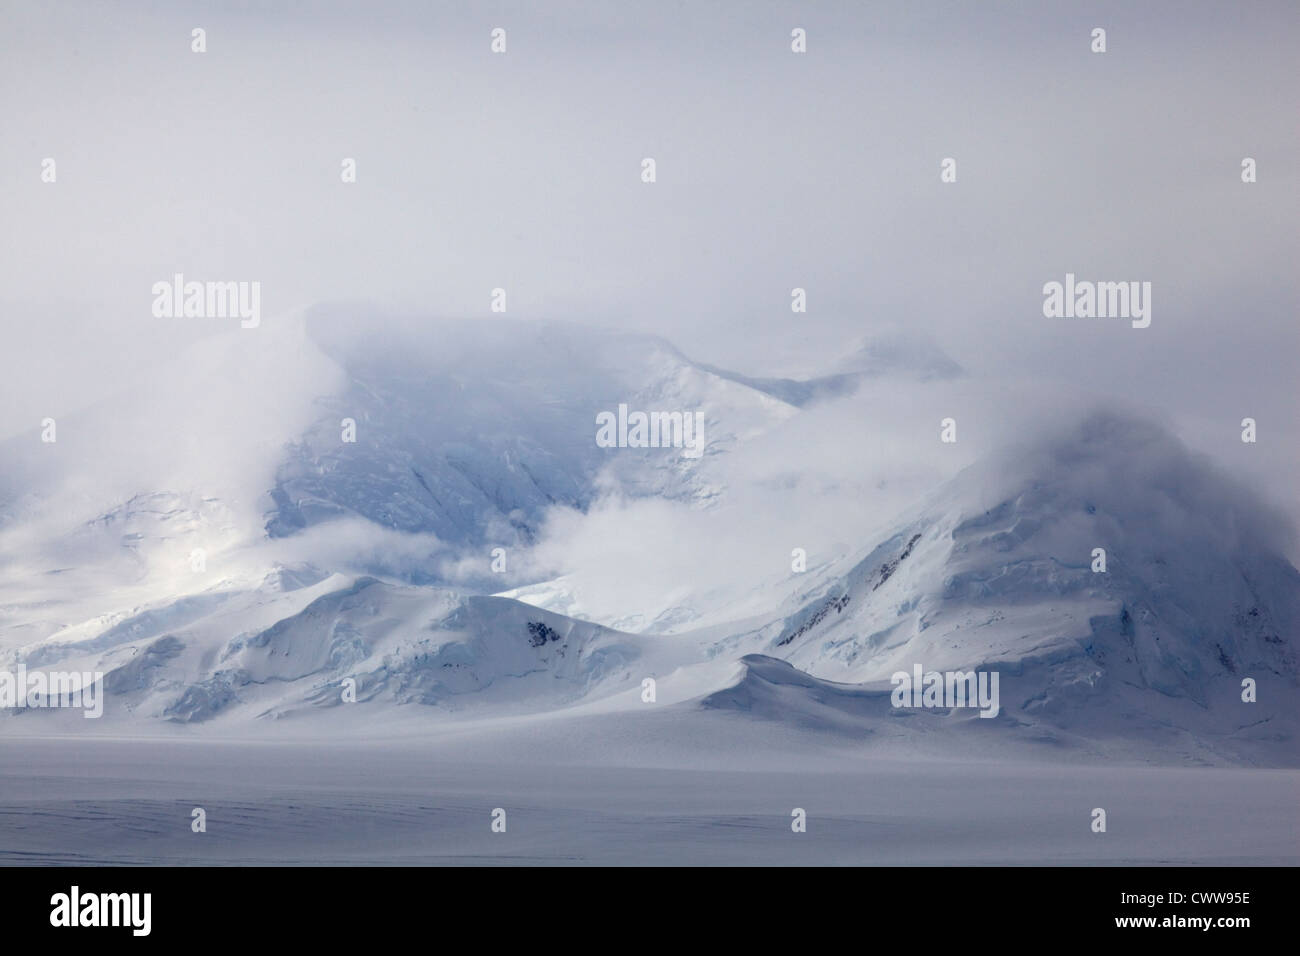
775 170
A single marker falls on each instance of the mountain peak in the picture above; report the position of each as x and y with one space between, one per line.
1104 567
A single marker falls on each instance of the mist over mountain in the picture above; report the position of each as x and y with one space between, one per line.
999 570
828 433
368 563
472 429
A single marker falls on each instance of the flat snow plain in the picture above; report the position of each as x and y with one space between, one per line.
588 790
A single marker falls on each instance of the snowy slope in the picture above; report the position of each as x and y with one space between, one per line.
470 430
320 560
467 432
275 651
995 572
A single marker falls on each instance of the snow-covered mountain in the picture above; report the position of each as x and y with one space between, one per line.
893 353
188 594
469 434
470 430
466 433
1000 570
279 649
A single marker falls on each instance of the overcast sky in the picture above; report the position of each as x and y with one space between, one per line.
774 169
